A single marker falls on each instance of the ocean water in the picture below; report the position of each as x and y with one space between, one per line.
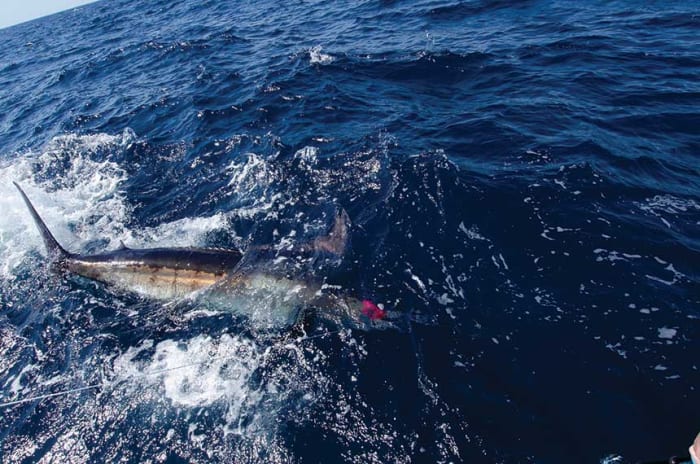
523 184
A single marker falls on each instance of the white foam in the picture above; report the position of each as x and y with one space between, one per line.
189 231
84 195
82 202
250 173
669 205
251 182
197 372
316 56
308 156
16 384
416 279
472 233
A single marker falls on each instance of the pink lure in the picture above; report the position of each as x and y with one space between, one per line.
372 311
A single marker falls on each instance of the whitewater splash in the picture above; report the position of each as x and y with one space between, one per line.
224 395
79 194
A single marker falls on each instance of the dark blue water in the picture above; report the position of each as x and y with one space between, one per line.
523 183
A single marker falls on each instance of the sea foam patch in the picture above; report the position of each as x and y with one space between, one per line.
76 195
198 372
78 191
188 231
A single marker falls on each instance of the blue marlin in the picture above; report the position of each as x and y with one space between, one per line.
262 289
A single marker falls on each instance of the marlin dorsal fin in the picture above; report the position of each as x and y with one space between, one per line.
337 239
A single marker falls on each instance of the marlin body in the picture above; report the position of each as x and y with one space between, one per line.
162 273
225 278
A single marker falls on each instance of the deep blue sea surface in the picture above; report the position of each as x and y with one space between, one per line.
523 181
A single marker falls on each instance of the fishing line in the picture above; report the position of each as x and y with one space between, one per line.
107 383
49 395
